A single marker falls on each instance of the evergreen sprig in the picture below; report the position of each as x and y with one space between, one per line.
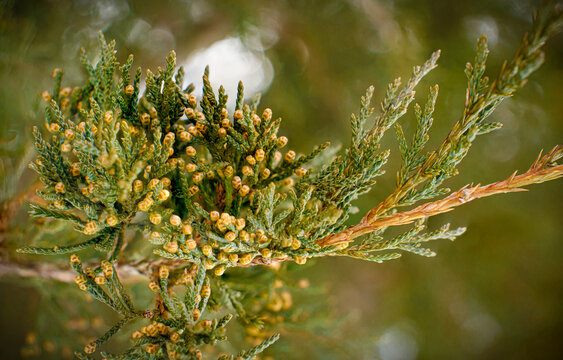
211 190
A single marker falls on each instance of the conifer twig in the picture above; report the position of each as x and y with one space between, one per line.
541 170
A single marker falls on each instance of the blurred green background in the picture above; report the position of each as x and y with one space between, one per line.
497 292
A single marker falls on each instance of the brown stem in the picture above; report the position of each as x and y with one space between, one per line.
538 172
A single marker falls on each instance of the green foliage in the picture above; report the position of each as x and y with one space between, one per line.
209 190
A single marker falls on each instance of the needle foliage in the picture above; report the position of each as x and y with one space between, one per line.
179 189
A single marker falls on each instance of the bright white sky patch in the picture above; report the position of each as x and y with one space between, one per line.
229 61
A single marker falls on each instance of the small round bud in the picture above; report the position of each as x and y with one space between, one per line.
221 226
267 114
222 257
129 89
163 195
74 259
238 115
81 126
145 204
174 337
256 120
228 171
192 100
207 250
151 348
191 167
266 253
171 247
137 186
100 279
205 291
277 156
90 228
185 136
197 177
281 142
230 236
225 123
90 272
264 174
165 182
200 117
289 156
69 134
219 270
169 137
259 155
287 182
112 220
187 229
233 258
66 147
175 220
222 132
192 190
108 271
300 171
155 235
65 92
236 182
247 170
163 272
214 215
54 127
46 96
74 169
244 190
90 348
301 260
240 224
245 259
145 119
191 244
108 116
193 131
226 218
251 160
136 335
79 279
151 329
224 112
153 285
243 235
60 188
155 218
190 151
196 314
295 244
